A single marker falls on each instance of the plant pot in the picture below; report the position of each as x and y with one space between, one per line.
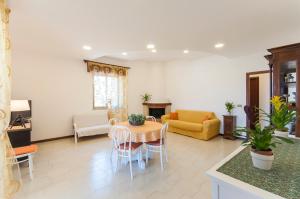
262 159
281 133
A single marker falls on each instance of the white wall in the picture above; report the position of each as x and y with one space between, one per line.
60 86
208 83
144 77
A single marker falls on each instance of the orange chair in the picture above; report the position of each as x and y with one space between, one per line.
26 151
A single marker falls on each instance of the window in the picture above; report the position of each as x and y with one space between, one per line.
108 91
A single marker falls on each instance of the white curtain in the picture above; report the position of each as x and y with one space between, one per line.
9 182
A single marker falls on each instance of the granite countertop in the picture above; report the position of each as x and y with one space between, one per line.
284 177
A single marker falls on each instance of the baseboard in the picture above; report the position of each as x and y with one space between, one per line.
68 136
52 139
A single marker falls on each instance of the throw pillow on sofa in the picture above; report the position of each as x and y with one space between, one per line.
173 116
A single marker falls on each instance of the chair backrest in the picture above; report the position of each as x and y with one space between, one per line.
151 118
121 136
163 133
113 121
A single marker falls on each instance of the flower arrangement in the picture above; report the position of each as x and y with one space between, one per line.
136 119
281 116
229 107
146 97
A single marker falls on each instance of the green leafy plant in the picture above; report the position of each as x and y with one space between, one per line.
229 107
262 138
136 119
146 97
281 116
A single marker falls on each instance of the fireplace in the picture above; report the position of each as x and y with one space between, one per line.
156 109
157 112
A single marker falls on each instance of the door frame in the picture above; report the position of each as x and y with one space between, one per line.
248 74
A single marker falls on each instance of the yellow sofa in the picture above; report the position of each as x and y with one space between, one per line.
197 124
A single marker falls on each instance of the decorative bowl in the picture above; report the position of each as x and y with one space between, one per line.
136 119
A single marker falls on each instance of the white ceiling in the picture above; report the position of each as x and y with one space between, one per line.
115 26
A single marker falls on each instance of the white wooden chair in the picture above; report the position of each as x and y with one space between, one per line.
151 118
26 153
112 122
159 146
123 146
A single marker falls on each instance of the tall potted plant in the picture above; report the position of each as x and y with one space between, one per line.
261 140
281 116
229 107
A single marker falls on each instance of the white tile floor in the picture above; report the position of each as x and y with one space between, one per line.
65 170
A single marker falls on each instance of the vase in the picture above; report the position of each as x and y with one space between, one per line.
262 159
281 133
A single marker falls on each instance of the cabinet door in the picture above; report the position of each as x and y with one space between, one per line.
289 73
228 125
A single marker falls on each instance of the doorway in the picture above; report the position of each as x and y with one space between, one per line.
257 96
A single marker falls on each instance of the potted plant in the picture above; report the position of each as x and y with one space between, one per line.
281 116
136 119
146 97
261 141
229 107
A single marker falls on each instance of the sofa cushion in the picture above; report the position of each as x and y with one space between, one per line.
194 116
134 145
191 126
26 149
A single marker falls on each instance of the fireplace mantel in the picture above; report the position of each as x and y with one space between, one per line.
157 105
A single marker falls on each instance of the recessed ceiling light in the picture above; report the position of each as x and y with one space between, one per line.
186 51
153 50
150 46
85 47
124 53
219 45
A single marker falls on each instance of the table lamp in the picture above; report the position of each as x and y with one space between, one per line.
19 106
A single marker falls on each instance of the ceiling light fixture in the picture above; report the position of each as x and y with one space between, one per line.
85 47
124 53
186 51
150 46
219 45
153 50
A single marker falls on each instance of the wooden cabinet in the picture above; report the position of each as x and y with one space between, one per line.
20 136
229 122
284 64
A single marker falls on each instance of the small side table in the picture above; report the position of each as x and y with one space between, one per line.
20 136
229 122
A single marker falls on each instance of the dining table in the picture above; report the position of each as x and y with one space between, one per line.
148 132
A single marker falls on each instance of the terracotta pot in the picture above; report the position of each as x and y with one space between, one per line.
281 133
262 159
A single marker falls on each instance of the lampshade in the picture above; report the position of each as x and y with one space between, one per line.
19 105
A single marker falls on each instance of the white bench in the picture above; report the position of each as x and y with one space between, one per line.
90 124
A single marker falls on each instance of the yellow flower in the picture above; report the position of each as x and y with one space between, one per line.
277 103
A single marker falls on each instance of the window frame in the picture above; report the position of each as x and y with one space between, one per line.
104 107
